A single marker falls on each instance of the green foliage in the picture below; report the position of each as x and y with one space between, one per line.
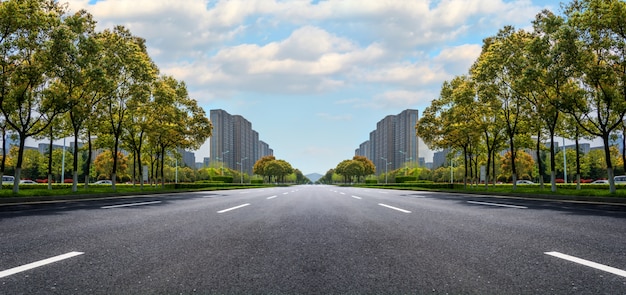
222 178
403 179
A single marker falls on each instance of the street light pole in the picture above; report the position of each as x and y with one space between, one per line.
223 153
386 165
241 168
406 165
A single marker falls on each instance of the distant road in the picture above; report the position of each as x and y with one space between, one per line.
313 240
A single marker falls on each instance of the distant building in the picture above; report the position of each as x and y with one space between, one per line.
393 143
234 143
10 140
189 158
440 158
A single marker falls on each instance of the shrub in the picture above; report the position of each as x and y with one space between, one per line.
224 179
403 179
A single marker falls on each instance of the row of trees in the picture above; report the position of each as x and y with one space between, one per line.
566 77
354 170
60 77
273 170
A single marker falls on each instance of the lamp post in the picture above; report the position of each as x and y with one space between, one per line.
564 162
241 168
223 153
386 165
406 160
62 163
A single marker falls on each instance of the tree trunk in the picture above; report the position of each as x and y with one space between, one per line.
18 166
50 161
539 162
577 161
88 172
609 164
4 153
75 164
552 164
513 167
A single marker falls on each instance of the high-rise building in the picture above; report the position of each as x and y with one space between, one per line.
189 158
440 158
394 143
234 142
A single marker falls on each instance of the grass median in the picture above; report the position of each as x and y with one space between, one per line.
564 191
59 191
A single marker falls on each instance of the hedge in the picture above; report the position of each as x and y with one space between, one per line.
224 179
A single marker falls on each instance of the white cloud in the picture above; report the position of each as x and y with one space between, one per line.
210 44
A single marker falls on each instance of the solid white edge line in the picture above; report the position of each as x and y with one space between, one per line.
269 198
233 208
602 267
130 205
39 263
356 197
394 208
497 205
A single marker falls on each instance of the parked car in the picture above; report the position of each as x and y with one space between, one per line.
620 179
7 179
103 182
600 181
27 181
524 182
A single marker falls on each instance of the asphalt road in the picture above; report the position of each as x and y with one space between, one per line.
313 240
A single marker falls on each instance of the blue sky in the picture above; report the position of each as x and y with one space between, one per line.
314 77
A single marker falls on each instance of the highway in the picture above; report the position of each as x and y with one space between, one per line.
313 239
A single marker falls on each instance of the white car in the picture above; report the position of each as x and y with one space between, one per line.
103 182
600 181
27 181
524 182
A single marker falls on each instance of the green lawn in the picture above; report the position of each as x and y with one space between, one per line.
587 190
41 190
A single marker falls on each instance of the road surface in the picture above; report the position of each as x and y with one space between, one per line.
313 240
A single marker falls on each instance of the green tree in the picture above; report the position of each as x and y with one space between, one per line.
499 69
104 165
599 25
349 169
77 59
179 121
26 49
551 60
449 121
129 72
524 163
260 167
368 166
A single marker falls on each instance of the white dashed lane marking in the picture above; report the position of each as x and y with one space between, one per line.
39 263
394 208
130 205
233 208
602 267
497 205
